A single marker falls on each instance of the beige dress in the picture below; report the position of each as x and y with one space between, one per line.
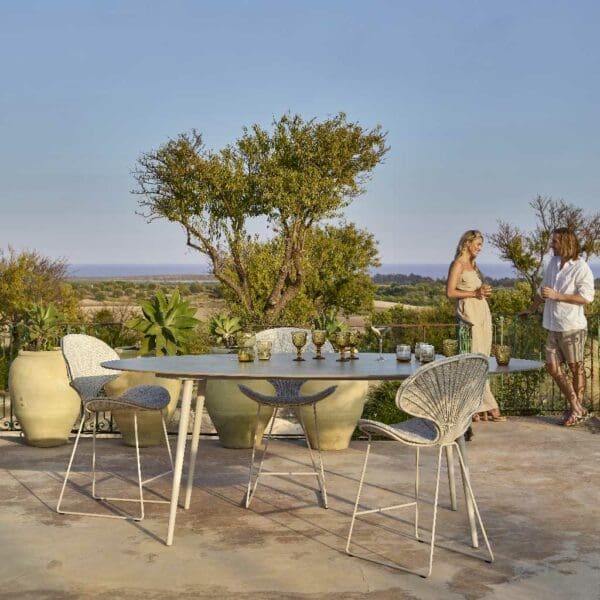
477 312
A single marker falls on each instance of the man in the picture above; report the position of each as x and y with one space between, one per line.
568 285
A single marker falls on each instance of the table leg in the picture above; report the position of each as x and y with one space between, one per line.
195 439
186 401
470 510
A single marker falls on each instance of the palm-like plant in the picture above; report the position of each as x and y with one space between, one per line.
41 327
330 323
166 324
223 328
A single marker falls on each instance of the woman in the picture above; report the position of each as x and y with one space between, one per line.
466 286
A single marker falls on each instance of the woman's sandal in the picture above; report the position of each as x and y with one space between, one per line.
495 418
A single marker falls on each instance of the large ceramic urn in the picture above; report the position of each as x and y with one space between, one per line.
233 414
45 404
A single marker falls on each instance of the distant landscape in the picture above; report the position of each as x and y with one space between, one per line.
199 272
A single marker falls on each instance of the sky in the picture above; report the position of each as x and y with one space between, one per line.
486 105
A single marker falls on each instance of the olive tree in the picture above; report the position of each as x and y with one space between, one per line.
27 278
297 175
336 264
526 251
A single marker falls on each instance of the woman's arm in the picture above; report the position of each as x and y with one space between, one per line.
452 291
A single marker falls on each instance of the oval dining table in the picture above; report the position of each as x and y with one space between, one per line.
198 369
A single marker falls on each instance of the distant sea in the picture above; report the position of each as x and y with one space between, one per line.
433 270
134 270
440 270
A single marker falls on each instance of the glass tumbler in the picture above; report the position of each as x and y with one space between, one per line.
403 353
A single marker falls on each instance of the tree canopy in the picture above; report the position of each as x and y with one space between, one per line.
526 251
27 278
294 177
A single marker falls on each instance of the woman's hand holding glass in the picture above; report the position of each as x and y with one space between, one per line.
485 291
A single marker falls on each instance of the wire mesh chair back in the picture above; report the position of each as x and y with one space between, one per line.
83 355
446 392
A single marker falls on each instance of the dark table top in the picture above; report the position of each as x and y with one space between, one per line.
282 366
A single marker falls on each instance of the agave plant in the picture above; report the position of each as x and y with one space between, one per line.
41 327
223 328
166 324
330 323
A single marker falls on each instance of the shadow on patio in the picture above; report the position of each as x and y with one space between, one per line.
536 484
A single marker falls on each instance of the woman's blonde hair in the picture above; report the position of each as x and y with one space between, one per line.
465 238
568 244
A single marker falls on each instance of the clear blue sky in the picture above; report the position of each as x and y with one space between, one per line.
486 103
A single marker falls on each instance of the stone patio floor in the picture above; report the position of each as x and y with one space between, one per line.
537 484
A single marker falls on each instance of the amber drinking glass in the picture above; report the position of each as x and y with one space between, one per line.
342 341
246 342
263 349
503 355
353 338
299 341
318 339
449 347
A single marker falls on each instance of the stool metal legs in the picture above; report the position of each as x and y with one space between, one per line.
141 483
469 496
253 478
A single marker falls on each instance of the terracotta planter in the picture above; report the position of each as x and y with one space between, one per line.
45 405
337 415
233 414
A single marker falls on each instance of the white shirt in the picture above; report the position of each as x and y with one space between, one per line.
575 277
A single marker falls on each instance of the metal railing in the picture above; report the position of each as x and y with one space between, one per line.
521 393
517 394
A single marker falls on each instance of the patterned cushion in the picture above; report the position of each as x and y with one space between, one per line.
414 431
140 397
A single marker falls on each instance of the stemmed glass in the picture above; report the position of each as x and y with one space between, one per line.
353 342
379 333
299 340
318 338
342 340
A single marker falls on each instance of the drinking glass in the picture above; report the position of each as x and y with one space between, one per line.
418 350
263 349
379 332
299 340
353 342
342 340
427 353
403 353
502 353
449 347
318 338
246 343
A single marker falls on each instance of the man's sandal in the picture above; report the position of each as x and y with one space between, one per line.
575 417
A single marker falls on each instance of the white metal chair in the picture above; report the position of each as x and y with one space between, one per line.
83 355
287 396
443 396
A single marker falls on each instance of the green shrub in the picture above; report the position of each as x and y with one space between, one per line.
381 405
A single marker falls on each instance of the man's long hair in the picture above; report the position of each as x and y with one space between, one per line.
568 244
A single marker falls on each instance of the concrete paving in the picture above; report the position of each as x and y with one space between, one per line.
537 486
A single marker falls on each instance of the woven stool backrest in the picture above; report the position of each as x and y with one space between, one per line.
447 392
83 355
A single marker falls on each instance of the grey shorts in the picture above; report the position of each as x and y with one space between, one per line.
565 346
